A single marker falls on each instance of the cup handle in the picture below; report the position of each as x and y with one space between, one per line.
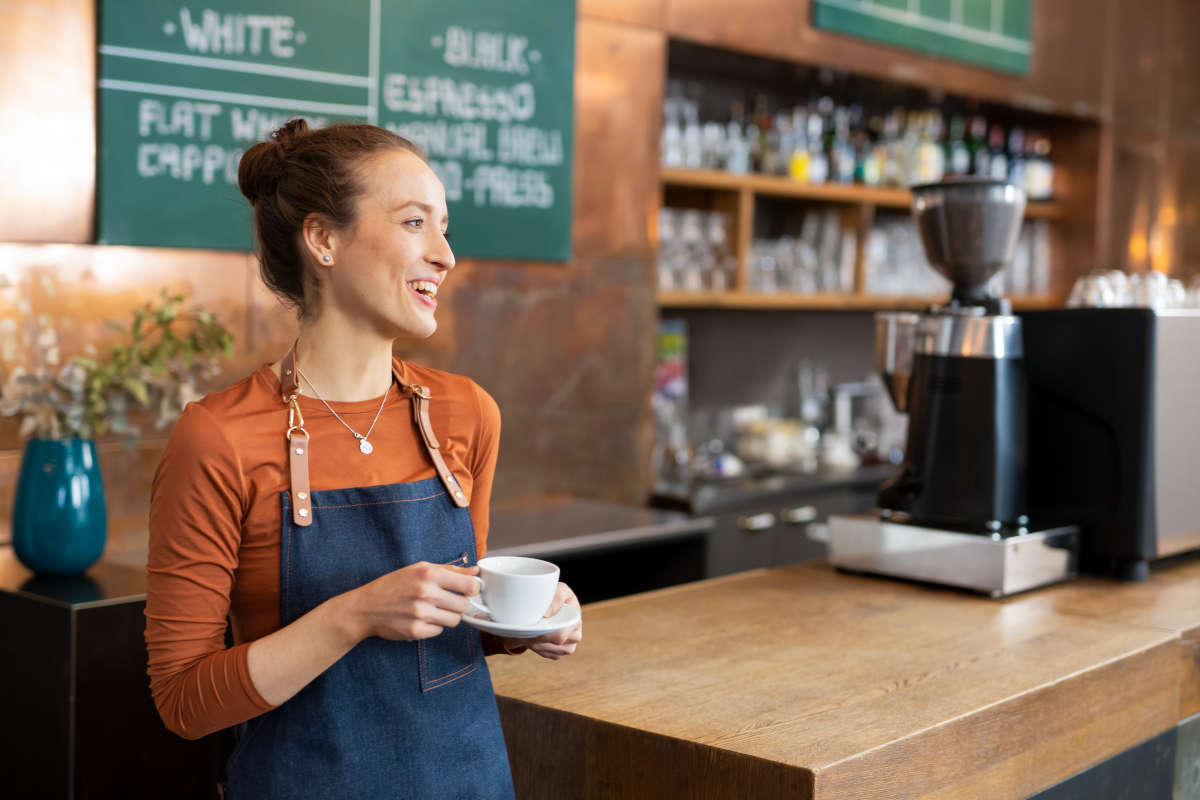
476 603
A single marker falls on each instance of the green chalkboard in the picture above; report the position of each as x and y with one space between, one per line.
990 33
486 88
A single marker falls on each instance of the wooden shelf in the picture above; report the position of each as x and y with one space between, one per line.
822 302
777 186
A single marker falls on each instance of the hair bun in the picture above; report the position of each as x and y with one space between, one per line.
262 166
288 135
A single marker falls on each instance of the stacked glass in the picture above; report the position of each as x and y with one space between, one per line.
694 252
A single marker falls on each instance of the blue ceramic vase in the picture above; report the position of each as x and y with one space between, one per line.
59 517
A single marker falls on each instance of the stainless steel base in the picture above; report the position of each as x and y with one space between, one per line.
993 566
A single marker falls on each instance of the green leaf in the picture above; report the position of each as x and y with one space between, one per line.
138 389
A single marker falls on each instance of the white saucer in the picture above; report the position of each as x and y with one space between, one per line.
566 617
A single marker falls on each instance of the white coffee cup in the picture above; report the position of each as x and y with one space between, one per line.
515 590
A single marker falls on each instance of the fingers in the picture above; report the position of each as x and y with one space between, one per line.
456 579
439 598
562 596
441 617
423 630
556 645
552 652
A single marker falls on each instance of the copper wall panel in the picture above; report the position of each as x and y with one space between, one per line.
1182 217
1184 47
1077 185
79 288
1141 66
650 13
619 78
1065 68
47 120
1138 185
565 355
128 473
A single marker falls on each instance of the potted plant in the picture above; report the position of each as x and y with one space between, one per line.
59 522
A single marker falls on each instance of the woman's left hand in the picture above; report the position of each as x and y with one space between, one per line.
555 645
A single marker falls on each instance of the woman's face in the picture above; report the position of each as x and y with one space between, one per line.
388 266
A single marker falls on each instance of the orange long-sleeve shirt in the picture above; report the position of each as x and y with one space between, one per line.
215 520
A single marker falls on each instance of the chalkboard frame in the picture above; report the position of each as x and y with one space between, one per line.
995 37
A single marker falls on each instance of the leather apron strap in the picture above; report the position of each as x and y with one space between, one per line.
298 439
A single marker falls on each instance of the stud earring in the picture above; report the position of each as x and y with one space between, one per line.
327 258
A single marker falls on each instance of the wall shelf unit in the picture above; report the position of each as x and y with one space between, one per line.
737 195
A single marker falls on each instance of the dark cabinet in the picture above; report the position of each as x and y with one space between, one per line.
780 530
79 721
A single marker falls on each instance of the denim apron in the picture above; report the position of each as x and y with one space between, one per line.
390 719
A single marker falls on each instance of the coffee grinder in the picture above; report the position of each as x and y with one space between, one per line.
956 512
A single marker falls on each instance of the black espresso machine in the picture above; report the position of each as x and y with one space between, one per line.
1114 431
958 511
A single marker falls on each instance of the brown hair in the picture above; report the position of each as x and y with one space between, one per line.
301 172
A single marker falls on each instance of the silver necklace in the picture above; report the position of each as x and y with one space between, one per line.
364 446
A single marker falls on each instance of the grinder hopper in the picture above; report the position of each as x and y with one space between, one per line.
969 229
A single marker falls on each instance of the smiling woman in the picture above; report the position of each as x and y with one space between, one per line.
332 506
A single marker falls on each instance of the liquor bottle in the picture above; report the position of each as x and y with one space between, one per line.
798 158
958 156
977 145
910 146
997 160
693 141
738 158
895 166
818 162
866 165
754 147
1016 158
783 124
931 159
761 122
878 155
1039 174
842 150
671 145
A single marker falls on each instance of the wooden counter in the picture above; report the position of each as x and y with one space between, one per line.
802 682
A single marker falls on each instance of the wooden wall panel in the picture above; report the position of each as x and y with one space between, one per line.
769 27
650 13
620 71
47 120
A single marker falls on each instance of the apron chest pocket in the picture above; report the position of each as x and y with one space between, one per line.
447 657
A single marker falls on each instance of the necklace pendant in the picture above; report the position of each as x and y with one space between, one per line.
365 447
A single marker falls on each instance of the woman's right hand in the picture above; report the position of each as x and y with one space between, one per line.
414 602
